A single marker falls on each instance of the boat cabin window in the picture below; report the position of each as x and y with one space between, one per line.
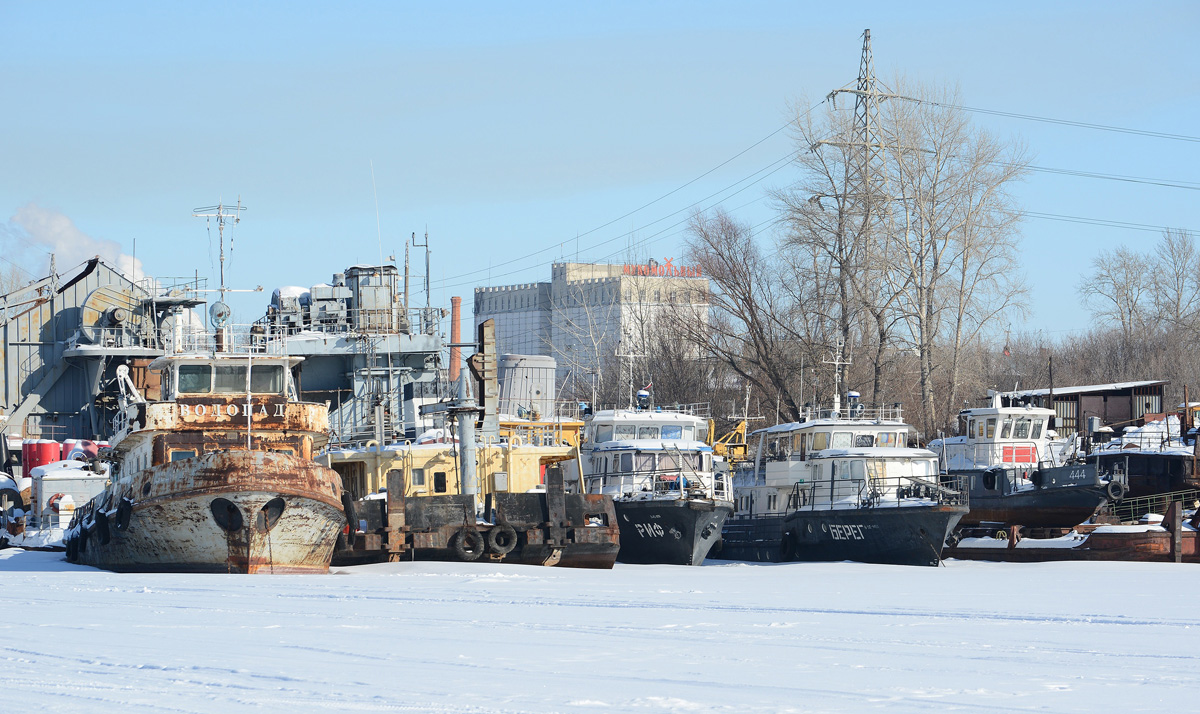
647 432
667 462
858 470
627 462
439 481
195 378
820 440
1022 430
1006 428
970 428
979 428
779 447
625 431
1037 429
842 440
180 454
991 428
230 379
644 462
418 477
701 432
672 432
864 440
689 432
604 433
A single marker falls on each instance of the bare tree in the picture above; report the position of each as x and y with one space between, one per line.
952 236
1118 289
1175 281
747 327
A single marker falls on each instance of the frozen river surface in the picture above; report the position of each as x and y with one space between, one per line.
433 637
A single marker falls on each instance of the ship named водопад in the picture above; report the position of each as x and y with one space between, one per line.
217 477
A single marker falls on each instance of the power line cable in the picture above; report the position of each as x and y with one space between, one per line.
1104 222
1064 122
648 204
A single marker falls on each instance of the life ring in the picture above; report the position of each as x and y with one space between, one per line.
502 539
52 504
467 544
1115 490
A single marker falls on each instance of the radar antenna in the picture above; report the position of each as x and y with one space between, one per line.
219 312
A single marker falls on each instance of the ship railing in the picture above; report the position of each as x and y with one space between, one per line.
1132 509
537 434
696 409
879 492
858 410
330 317
1142 442
679 482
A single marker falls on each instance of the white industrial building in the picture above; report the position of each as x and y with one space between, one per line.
589 312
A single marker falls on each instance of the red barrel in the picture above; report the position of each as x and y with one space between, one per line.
27 455
39 453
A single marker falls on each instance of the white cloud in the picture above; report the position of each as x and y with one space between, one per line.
35 232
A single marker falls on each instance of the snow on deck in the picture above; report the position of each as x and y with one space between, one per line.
483 638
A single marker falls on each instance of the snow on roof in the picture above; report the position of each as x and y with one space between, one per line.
1085 388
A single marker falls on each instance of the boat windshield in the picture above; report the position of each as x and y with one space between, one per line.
910 468
230 379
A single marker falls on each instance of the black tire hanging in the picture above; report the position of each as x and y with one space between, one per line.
787 548
467 545
1115 490
103 533
502 539
124 513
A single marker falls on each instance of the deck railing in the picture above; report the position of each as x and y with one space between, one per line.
1132 509
878 492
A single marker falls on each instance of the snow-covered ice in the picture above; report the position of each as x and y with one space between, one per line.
438 637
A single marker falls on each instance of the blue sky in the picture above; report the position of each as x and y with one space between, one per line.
506 128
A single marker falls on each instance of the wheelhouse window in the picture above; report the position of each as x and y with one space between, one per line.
672 432
626 431
1006 428
689 432
604 433
229 379
842 440
266 378
195 378
181 454
1037 429
991 428
1022 430
647 432
820 441
864 440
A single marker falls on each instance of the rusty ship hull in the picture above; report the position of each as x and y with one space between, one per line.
223 512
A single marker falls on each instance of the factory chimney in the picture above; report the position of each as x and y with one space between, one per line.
455 337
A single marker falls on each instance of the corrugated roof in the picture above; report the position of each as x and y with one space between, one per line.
1084 389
